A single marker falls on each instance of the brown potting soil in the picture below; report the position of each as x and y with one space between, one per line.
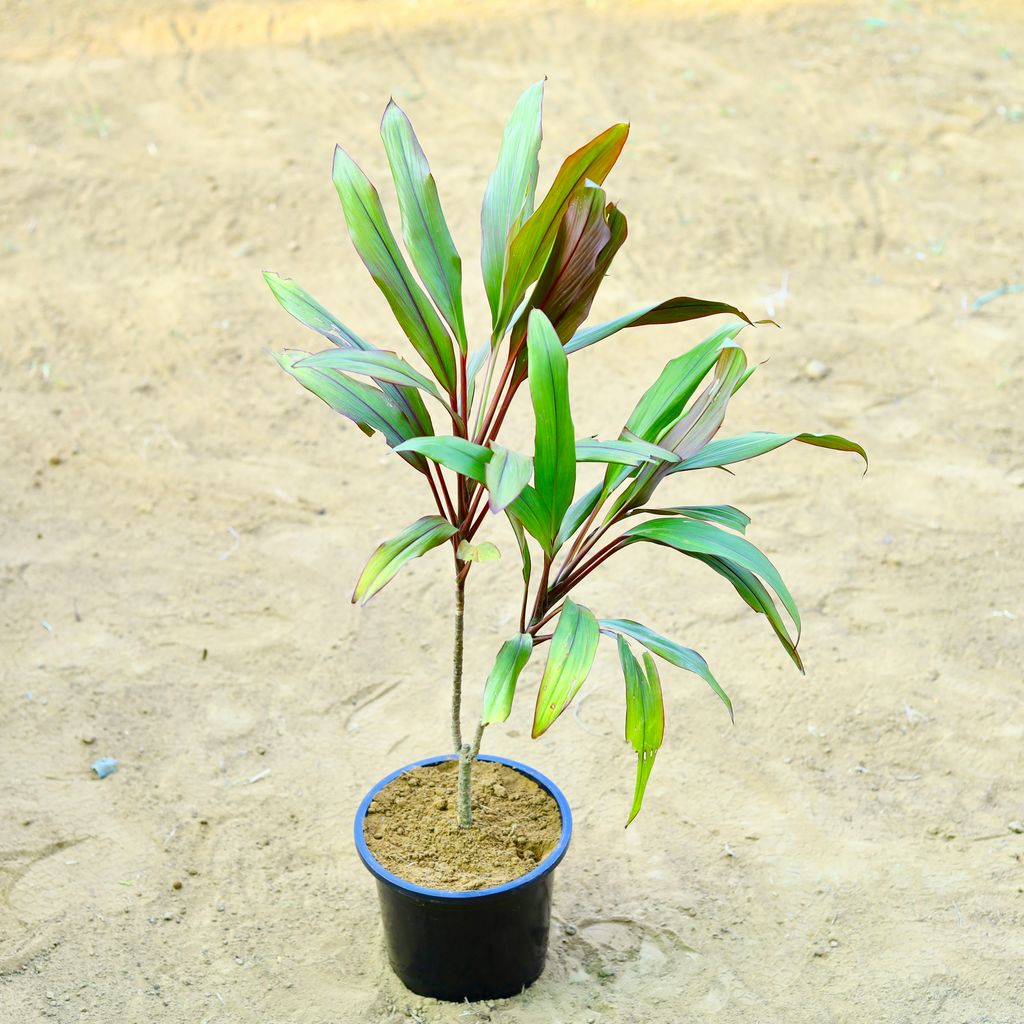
412 827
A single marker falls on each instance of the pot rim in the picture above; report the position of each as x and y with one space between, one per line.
546 866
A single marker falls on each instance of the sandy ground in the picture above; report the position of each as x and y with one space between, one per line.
182 525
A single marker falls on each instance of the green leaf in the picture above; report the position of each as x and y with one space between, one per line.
724 515
301 305
423 225
624 453
754 593
573 647
500 688
645 717
577 515
532 511
377 248
671 311
361 403
588 238
673 653
508 200
728 450
554 468
379 364
454 453
484 552
532 244
692 536
506 474
413 541
311 314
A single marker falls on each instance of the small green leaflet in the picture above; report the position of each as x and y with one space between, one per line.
505 475
483 552
508 200
413 541
728 450
673 653
645 717
500 688
570 658
424 228
454 453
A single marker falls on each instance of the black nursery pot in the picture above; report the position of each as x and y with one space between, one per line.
484 944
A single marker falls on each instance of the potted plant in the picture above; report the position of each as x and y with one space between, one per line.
454 928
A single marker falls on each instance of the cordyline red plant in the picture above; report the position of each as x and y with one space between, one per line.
562 247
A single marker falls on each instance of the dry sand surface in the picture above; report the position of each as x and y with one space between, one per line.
182 524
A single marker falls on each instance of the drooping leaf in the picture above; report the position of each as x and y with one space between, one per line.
500 688
507 473
693 536
475 364
577 515
454 453
728 450
310 313
301 305
554 468
724 515
673 653
359 402
586 241
508 200
413 541
756 595
530 247
483 552
424 228
623 453
379 364
671 311
573 647
645 717
377 248
524 547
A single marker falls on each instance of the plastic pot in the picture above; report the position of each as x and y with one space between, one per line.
484 944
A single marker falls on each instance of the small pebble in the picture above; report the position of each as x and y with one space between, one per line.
168 916
569 929
1016 826
176 884
816 370
374 807
499 790
441 803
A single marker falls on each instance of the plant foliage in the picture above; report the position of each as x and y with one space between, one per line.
542 263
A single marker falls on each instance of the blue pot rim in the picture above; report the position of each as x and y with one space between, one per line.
546 866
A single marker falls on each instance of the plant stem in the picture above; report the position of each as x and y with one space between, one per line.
460 616
467 755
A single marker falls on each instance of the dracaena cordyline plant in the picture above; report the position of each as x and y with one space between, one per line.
542 265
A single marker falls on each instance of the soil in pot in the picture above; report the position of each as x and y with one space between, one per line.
412 827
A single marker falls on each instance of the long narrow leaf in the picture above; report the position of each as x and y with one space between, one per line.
424 228
671 311
532 244
705 538
376 245
624 453
573 647
534 513
554 436
508 200
673 653
724 515
500 688
413 541
577 514
728 450
379 364
506 474
454 453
